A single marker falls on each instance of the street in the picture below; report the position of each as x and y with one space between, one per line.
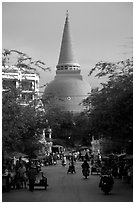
65 187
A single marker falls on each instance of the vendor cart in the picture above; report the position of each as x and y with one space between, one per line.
41 181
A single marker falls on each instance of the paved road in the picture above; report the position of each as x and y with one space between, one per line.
65 187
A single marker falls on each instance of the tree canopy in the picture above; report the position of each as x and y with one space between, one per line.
109 112
22 126
111 107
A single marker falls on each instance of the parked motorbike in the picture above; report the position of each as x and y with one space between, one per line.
106 183
85 172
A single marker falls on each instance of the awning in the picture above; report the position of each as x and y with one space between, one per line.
41 157
105 157
84 147
128 157
25 160
15 154
121 155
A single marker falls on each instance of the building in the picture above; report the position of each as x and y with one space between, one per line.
46 142
68 89
95 146
27 81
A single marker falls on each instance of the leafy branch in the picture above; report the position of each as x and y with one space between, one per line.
24 61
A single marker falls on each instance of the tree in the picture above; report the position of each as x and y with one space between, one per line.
81 132
68 129
111 107
61 124
21 125
10 115
22 61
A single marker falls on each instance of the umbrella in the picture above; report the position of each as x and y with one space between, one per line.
121 155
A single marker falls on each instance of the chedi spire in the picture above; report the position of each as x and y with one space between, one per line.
67 58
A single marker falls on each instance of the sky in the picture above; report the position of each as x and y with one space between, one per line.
100 31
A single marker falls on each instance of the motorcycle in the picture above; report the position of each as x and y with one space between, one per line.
54 162
71 169
63 163
106 183
85 172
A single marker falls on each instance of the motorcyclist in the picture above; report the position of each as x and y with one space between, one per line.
71 166
107 178
64 161
85 165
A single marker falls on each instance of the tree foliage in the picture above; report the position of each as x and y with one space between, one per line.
111 107
22 60
69 129
21 125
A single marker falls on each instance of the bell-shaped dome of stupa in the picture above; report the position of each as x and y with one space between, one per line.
68 87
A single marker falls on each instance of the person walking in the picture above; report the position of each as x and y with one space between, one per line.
22 175
32 173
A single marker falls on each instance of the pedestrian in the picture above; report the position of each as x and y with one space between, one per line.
22 175
12 175
86 157
32 173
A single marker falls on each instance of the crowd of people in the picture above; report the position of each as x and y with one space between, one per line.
117 167
18 174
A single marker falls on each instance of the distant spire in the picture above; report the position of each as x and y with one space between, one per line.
67 14
67 53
